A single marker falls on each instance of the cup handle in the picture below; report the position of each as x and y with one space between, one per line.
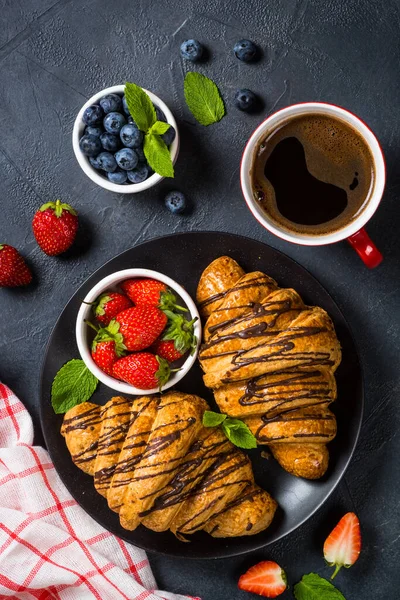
365 248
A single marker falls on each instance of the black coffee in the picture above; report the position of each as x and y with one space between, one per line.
313 175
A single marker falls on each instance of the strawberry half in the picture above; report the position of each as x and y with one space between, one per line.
107 346
109 305
140 326
143 291
166 349
144 370
13 269
54 226
266 579
343 545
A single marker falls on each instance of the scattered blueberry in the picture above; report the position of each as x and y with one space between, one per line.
95 163
131 136
245 100
111 103
169 136
90 145
110 141
175 202
160 115
93 115
139 174
125 106
118 176
107 162
246 50
126 158
113 122
93 130
191 50
130 120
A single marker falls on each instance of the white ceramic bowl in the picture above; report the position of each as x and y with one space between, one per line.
83 334
95 175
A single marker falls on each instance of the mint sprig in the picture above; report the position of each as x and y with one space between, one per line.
235 430
72 385
203 98
143 113
314 587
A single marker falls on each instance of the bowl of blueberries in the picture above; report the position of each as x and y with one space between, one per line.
108 144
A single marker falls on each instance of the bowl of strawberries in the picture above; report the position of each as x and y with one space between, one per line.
138 331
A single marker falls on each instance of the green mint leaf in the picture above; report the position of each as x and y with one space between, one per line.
314 587
72 385
203 98
140 106
159 127
238 433
157 155
213 419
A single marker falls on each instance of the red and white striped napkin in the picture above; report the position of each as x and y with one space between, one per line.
49 546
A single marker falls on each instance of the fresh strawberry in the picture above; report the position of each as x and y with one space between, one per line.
343 545
143 291
181 332
107 346
54 226
166 349
13 269
143 370
265 579
108 305
140 326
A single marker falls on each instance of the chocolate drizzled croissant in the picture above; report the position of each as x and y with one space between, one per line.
270 360
156 464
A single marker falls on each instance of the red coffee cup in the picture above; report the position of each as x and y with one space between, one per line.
354 231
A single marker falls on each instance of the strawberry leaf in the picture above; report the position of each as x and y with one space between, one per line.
164 372
181 331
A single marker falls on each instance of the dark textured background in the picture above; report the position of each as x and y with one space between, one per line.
54 55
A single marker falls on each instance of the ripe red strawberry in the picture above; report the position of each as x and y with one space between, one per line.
108 305
166 349
343 545
13 269
265 579
144 370
140 326
143 291
107 346
54 226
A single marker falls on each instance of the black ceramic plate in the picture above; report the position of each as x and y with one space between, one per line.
183 257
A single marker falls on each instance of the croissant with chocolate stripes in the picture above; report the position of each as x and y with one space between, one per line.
270 360
157 465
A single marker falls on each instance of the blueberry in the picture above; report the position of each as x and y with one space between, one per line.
113 122
160 115
118 176
169 136
191 50
93 115
90 145
245 50
139 174
130 120
93 130
131 136
125 106
126 158
175 202
95 163
140 153
107 162
245 100
110 141
111 103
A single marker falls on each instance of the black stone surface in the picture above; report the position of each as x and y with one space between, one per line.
54 55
